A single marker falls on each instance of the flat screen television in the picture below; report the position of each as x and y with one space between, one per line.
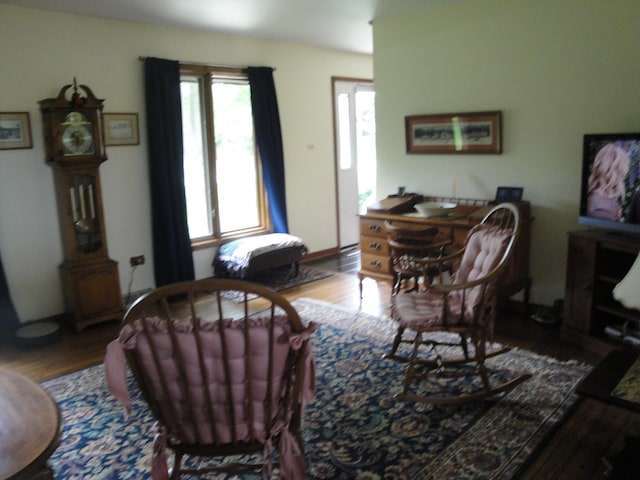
610 189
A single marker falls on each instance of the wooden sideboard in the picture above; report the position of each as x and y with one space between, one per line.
375 262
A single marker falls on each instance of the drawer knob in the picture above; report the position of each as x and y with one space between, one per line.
375 263
374 245
374 227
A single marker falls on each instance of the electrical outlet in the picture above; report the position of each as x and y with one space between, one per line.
135 261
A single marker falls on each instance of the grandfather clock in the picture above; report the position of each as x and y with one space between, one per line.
75 149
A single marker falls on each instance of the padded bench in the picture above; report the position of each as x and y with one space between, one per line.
244 257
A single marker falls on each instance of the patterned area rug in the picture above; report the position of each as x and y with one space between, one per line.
355 427
282 279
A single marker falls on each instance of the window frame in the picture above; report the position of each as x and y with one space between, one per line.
206 76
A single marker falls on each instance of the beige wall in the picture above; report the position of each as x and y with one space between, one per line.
556 68
43 51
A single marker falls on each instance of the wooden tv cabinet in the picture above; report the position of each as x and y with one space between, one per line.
596 262
374 258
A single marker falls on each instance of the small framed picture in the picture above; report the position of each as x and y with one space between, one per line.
472 132
15 131
508 194
120 129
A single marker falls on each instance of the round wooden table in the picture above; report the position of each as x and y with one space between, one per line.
29 428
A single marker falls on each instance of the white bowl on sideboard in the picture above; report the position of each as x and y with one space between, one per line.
435 209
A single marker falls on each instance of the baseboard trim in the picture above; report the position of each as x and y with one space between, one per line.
320 254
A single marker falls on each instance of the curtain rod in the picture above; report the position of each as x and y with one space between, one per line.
143 58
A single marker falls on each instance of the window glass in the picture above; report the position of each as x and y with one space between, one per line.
236 175
222 175
195 162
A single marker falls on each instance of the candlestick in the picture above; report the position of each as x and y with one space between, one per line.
74 210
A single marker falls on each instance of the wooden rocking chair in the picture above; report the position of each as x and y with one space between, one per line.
465 305
221 378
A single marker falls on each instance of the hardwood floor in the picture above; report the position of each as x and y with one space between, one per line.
573 452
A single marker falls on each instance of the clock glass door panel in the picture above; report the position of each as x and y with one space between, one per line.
86 220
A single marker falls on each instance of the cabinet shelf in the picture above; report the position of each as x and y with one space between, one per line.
597 261
624 315
608 279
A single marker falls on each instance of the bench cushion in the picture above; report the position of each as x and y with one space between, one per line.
246 256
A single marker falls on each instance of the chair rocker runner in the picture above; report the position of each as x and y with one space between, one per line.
465 305
220 378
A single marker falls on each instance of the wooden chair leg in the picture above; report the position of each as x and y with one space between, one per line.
397 340
411 372
177 465
396 284
465 347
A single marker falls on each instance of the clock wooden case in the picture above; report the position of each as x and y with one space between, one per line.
74 144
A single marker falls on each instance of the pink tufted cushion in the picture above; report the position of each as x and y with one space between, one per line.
483 252
484 249
194 422
422 309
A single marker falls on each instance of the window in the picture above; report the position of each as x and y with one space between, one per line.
223 184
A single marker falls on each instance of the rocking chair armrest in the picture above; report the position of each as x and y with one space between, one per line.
451 287
437 262
418 247
442 243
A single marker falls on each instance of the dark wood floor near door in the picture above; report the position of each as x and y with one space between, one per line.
592 430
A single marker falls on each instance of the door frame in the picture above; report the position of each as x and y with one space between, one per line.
334 80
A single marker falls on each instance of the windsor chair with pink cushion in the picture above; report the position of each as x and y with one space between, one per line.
221 378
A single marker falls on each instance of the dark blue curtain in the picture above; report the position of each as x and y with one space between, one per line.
8 317
266 121
172 255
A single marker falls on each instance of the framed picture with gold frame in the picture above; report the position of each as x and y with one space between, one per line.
15 131
120 129
472 132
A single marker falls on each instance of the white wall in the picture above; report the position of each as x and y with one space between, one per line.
43 51
556 68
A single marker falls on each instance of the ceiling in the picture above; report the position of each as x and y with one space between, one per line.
337 24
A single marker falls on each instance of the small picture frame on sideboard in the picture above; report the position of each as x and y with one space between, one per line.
508 194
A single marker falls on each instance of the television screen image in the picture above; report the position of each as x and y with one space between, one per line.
610 190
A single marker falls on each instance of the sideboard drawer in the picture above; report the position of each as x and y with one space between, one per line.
375 245
375 263
372 227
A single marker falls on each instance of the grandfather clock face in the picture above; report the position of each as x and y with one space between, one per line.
77 135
